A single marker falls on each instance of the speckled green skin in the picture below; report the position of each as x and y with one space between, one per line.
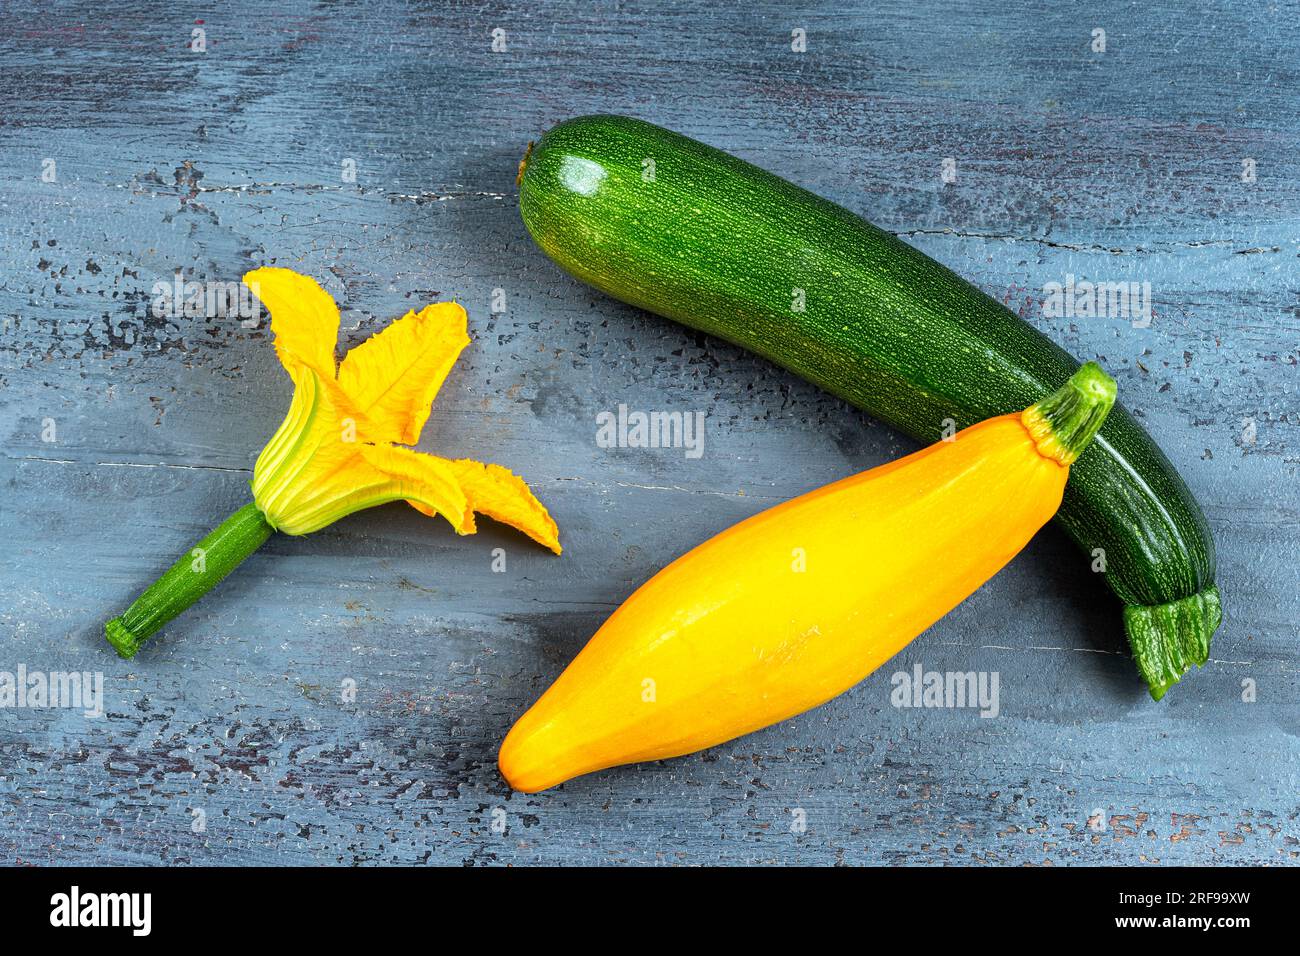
692 233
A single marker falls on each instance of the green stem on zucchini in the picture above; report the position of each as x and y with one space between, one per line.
1064 422
1167 639
192 576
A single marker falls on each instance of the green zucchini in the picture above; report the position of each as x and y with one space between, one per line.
694 234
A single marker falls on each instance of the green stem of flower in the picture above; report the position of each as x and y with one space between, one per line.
192 576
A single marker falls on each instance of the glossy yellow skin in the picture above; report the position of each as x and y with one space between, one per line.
791 607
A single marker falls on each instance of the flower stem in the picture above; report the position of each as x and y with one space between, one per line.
192 576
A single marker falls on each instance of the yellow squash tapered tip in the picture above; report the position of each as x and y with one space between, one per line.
524 762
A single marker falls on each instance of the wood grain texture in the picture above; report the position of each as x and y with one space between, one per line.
1120 166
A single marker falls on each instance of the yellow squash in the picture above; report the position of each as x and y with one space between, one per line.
795 605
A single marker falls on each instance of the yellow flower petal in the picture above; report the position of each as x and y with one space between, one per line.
304 318
423 480
317 468
393 376
331 456
500 494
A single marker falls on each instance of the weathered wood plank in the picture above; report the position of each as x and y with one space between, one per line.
1122 166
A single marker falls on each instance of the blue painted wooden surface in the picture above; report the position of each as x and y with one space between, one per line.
1118 166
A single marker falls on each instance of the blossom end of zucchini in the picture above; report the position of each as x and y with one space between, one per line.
1167 639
